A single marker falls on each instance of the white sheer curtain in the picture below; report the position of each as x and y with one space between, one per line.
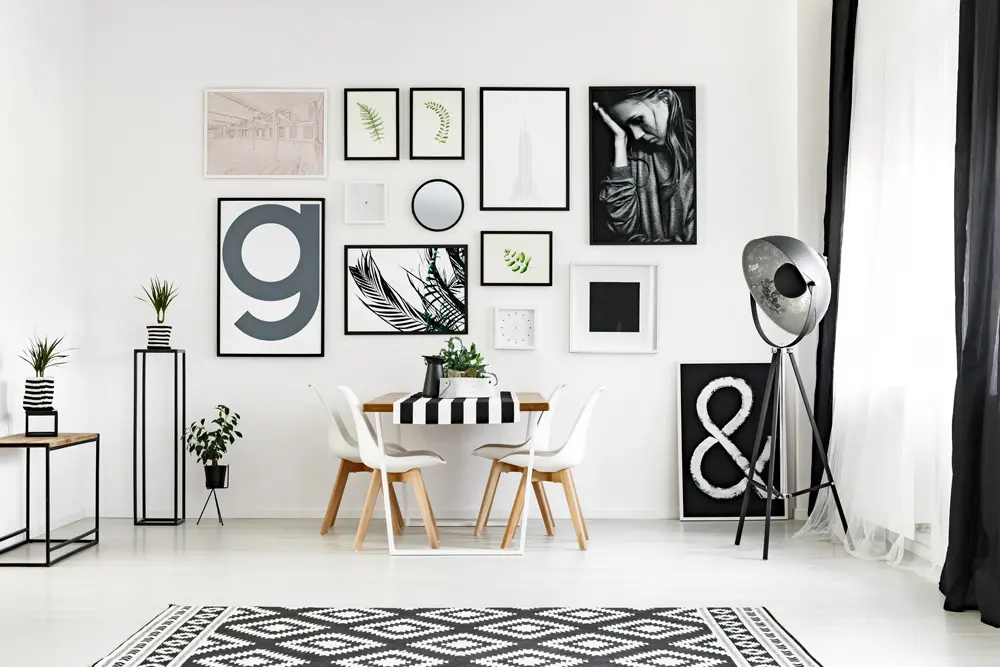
894 370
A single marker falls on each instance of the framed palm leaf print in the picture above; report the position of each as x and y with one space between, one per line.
406 290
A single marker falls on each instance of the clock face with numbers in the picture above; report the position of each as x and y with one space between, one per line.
515 328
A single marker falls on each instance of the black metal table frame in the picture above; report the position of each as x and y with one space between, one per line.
180 462
59 543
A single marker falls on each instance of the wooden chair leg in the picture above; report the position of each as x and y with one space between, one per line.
566 477
515 511
430 506
397 516
420 491
586 533
488 496
369 508
335 497
544 508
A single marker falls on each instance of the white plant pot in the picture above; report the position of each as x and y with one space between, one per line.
158 336
38 393
466 387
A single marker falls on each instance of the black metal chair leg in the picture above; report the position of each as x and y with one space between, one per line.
756 447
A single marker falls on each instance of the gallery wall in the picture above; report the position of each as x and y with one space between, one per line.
148 210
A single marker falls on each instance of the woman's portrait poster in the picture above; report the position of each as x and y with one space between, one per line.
642 166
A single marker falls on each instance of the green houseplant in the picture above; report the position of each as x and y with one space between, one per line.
159 294
41 354
211 442
465 371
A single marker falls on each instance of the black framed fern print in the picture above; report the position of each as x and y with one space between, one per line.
437 123
406 290
371 124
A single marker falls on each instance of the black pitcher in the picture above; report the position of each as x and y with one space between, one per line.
432 379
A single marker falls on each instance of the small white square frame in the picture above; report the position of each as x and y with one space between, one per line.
498 343
351 193
581 339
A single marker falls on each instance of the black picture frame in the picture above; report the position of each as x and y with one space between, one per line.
413 204
482 161
433 157
418 246
600 156
347 95
218 277
482 258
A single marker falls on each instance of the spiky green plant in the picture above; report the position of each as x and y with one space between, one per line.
41 354
372 121
444 120
159 295
517 261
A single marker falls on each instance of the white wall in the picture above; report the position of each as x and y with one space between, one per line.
41 220
150 211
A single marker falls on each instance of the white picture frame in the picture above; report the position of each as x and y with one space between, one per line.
524 335
630 291
265 133
366 203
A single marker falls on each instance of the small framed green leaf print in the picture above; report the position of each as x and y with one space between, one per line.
437 123
371 124
516 259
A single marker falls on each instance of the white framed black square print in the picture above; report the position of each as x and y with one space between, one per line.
613 308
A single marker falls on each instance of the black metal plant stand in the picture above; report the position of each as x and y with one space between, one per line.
139 439
212 494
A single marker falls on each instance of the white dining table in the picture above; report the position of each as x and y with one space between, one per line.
531 404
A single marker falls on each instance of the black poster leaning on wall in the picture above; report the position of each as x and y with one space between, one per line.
719 408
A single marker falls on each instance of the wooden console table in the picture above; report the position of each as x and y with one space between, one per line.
51 444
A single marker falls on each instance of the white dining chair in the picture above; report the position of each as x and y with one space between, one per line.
400 466
345 447
541 437
554 466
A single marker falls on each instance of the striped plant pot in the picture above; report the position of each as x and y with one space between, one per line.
158 336
38 393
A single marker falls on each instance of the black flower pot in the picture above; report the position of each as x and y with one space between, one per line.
216 477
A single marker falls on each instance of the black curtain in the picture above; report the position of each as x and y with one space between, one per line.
971 575
845 18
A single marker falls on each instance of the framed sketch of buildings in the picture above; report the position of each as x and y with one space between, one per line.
265 133
524 149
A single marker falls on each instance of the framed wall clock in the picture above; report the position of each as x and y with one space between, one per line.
514 328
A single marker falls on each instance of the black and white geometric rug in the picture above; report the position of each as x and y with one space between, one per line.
188 636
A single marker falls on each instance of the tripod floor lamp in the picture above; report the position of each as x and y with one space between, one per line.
789 281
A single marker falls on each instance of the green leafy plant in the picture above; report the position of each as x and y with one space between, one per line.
41 354
160 294
210 443
461 361
444 121
517 261
372 121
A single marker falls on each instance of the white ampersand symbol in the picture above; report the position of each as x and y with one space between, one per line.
721 436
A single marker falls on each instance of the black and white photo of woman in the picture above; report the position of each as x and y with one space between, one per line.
643 166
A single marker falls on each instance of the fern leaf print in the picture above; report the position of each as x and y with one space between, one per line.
372 121
444 120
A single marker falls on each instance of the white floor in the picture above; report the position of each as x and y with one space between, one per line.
846 612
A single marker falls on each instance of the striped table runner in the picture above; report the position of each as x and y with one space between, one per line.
415 409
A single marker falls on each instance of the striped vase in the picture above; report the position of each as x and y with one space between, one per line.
158 336
38 393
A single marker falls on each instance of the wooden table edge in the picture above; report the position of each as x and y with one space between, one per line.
20 440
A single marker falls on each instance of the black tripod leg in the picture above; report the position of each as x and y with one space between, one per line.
756 448
820 451
209 497
775 446
217 510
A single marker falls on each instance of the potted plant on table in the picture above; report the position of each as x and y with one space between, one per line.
41 355
465 372
210 443
160 294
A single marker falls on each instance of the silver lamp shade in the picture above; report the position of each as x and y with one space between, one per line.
789 281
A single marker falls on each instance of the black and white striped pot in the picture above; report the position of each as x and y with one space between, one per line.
38 393
158 336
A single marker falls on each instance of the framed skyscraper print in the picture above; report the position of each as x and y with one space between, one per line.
524 149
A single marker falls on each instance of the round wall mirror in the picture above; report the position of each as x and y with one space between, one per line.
438 205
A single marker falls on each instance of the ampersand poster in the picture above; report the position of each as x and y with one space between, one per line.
720 408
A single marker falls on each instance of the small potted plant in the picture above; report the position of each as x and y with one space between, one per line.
465 372
160 294
41 355
210 443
